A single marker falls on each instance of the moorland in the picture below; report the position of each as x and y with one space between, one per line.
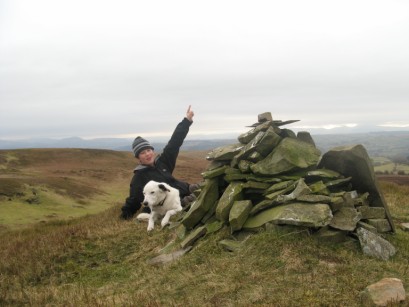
63 244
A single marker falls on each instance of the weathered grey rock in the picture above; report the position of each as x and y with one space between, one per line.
244 166
239 213
248 136
214 226
255 157
232 193
266 116
328 235
224 152
268 142
362 200
300 189
405 226
255 185
289 155
353 161
279 186
345 219
262 205
348 198
248 149
166 258
204 202
381 225
210 215
314 198
230 245
319 187
274 195
324 173
375 246
214 172
338 182
216 164
181 231
372 212
336 203
300 214
383 293
287 133
192 237
306 137
366 226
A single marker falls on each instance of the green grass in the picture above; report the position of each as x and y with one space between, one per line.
68 247
385 165
46 204
100 260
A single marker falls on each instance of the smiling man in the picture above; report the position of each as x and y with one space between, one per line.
158 168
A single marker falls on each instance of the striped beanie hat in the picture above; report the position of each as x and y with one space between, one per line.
140 144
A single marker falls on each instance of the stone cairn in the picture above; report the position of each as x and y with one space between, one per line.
274 177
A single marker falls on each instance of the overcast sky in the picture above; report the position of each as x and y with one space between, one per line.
119 68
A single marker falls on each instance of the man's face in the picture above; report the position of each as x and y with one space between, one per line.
147 157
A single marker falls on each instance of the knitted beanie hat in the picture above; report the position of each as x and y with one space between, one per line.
140 144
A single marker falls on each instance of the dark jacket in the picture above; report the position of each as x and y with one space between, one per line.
161 171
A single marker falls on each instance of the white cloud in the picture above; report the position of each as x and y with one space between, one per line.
395 125
88 67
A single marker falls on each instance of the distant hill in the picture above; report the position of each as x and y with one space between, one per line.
377 143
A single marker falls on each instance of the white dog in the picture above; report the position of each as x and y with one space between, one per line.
163 200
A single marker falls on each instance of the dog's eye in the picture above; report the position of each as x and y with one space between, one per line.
153 192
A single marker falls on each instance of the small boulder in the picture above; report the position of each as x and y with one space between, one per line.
383 293
375 246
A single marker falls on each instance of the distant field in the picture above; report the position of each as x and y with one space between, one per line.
40 185
384 165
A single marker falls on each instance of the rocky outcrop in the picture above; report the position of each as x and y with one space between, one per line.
273 176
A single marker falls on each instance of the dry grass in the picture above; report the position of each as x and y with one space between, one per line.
99 260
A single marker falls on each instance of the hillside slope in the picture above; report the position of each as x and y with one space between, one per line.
38 185
100 260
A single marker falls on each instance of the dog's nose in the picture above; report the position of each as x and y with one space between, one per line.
145 203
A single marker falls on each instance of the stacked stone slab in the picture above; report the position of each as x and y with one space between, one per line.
274 176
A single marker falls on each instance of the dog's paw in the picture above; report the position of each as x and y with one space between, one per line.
164 224
143 217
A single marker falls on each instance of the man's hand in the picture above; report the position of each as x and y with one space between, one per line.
189 114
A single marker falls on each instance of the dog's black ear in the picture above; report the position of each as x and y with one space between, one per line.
163 188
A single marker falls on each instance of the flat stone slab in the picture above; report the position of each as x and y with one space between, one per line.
299 214
195 235
206 199
345 219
